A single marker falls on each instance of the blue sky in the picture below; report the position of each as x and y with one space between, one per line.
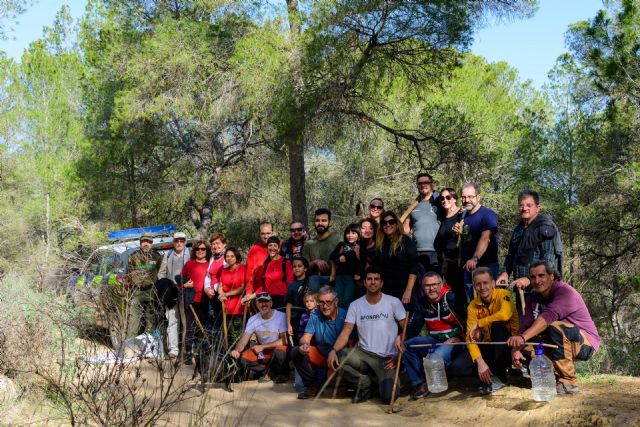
531 45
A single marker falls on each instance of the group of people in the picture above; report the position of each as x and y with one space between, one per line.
332 302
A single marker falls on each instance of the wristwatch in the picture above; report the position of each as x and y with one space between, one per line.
475 258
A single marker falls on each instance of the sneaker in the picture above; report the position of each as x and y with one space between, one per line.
419 392
362 396
496 384
281 379
305 395
562 388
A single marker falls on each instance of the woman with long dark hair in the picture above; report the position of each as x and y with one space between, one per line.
446 244
231 286
397 258
195 273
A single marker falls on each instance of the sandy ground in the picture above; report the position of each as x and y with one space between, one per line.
603 401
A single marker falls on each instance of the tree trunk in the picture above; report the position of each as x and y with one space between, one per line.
295 139
298 189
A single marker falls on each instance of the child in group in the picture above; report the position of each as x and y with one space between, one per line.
311 303
346 265
296 291
310 300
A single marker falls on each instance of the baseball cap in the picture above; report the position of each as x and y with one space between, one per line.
264 296
146 236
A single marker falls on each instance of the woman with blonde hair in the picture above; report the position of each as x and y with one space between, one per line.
397 258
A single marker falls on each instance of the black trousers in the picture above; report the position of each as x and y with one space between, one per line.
193 330
498 357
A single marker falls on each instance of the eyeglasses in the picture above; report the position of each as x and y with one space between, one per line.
372 206
325 303
201 249
296 230
423 183
179 240
430 285
388 222
469 197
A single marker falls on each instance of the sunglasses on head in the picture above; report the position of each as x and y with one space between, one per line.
388 222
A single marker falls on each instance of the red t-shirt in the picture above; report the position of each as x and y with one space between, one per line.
216 266
255 258
231 280
271 280
196 271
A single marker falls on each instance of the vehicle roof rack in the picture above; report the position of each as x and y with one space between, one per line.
135 233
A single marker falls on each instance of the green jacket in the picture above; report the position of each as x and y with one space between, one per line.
142 270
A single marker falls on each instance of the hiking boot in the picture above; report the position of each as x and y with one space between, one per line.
496 384
305 395
187 359
562 388
362 396
419 392
281 379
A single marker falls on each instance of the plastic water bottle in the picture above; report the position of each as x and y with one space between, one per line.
543 380
435 372
157 349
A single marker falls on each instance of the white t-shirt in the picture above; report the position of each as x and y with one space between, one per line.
377 326
269 330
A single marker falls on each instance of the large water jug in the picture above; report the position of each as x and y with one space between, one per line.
435 372
543 380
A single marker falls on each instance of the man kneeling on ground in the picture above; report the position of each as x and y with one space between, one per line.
443 326
556 312
377 317
323 328
270 353
491 316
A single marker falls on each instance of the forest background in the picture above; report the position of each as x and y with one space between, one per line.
216 115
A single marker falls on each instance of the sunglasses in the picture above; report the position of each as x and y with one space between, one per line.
388 222
201 249
376 207
296 230
447 197
325 303
179 240
424 183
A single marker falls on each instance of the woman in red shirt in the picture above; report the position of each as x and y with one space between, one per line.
231 286
218 243
195 270
274 275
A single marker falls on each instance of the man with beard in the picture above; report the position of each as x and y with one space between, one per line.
443 325
173 262
292 247
378 318
143 267
319 336
479 240
536 238
320 248
270 352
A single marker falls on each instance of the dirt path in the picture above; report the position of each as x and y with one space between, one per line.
603 401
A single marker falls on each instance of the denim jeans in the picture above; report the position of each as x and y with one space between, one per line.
413 356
